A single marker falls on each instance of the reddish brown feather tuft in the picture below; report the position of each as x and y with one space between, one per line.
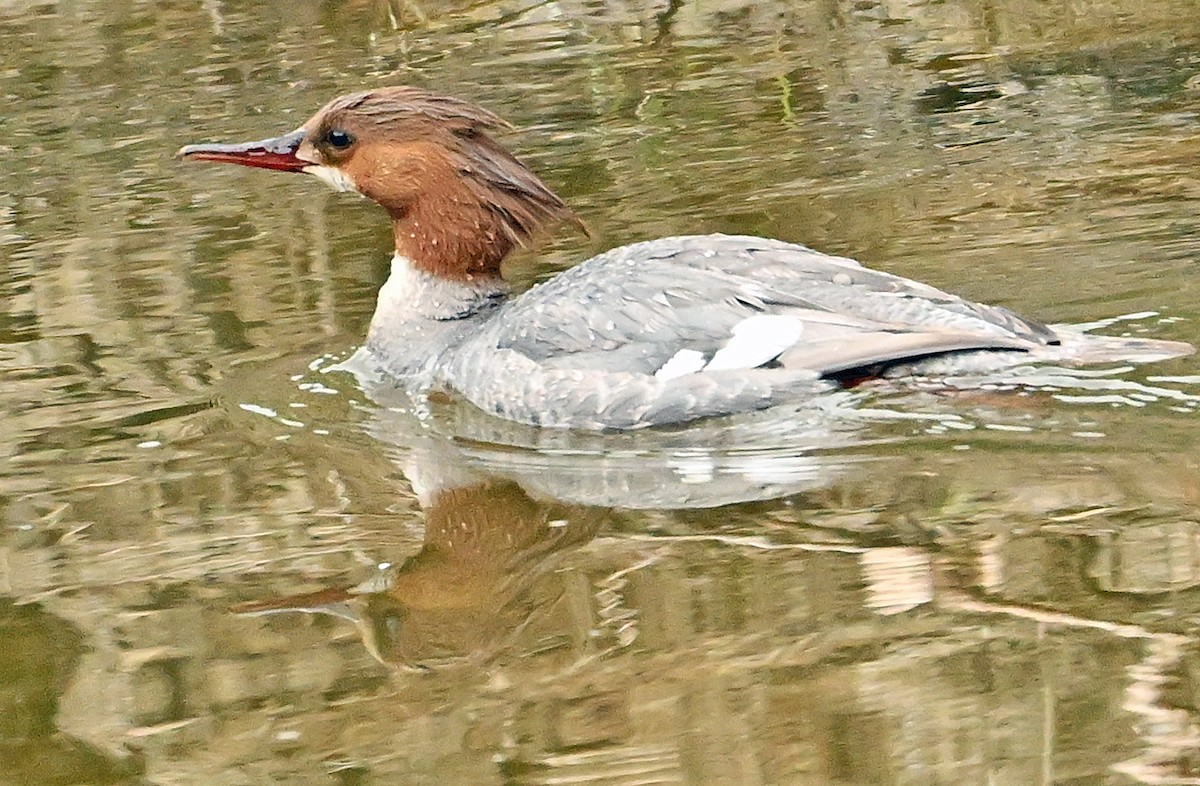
460 201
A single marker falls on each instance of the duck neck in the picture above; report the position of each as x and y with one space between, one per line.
419 315
452 232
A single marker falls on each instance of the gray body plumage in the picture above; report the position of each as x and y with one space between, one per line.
588 348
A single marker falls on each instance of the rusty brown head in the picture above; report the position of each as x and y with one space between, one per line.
459 201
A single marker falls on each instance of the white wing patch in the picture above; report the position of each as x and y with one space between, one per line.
753 342
333 176
685 361
757 340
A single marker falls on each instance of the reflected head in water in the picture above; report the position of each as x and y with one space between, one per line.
483 576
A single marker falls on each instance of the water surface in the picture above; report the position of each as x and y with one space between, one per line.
888 585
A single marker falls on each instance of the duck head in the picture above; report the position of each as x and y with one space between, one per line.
459 201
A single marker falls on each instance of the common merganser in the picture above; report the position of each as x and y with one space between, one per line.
653 333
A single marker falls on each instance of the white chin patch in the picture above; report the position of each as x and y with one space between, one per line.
336 178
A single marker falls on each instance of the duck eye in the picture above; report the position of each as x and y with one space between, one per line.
339 139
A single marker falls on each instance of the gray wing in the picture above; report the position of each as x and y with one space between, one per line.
652 300
654 333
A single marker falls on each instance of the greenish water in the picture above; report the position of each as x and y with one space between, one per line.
888 586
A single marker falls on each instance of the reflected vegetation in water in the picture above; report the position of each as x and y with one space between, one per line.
891 585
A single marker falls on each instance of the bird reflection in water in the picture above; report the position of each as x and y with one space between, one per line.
484 577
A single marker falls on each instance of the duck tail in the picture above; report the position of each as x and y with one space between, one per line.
1080 348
